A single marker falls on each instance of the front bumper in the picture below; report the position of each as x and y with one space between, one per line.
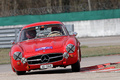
64 62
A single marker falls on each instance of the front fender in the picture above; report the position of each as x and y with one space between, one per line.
14 48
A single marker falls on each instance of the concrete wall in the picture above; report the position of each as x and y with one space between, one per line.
91 28
86 23
96 28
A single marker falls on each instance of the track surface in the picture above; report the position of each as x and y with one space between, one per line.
66 74
100 41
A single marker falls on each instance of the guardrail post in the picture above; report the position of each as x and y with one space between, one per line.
16 34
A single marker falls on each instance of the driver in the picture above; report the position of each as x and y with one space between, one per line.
31 33
55 29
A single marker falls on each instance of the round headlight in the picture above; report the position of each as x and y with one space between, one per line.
70 48
17 55
65 55
23 60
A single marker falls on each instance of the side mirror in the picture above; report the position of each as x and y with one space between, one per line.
73 33
12 42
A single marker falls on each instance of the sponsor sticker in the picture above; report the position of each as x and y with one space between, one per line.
43 48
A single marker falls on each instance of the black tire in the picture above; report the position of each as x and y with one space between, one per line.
20 72
76 67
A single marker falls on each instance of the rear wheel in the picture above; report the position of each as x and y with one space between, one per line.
20 72
76 67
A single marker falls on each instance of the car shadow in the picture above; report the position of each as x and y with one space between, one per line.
95 68
52 71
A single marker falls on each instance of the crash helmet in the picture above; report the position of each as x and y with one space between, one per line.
31 33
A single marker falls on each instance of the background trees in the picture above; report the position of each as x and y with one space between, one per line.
23 7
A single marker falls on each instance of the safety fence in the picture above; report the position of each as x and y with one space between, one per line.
9 34
63 17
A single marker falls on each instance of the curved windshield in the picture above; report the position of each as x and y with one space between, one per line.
42 32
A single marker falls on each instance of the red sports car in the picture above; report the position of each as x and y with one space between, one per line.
45 45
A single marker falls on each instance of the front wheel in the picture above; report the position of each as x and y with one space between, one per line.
20 72
76 67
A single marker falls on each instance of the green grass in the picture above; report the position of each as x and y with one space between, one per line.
86 52
100 51
4 56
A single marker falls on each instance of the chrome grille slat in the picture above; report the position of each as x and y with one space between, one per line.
53 57
35 60
56 57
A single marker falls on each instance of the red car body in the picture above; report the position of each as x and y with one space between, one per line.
45 52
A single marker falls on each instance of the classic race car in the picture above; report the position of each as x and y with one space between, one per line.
45 45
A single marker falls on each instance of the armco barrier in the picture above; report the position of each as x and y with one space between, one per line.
10 33
6 35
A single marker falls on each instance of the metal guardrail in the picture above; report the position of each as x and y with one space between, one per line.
8 34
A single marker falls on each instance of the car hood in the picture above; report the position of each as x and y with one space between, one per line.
34 45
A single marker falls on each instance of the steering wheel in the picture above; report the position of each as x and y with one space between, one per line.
54 33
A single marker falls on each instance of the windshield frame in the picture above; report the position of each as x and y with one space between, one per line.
61 25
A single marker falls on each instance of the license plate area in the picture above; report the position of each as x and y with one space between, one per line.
46 66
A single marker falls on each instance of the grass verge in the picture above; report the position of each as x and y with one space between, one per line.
86 52
4 56
99 51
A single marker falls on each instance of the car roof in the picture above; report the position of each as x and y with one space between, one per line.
41 23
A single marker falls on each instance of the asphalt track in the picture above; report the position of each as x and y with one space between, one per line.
66 74
100 41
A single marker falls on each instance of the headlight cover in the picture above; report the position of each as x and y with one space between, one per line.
23 60
70 48
66 55
17 55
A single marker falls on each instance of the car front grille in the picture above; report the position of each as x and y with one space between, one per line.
46 58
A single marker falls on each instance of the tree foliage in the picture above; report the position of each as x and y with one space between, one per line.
65 5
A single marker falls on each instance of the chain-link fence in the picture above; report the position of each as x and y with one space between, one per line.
85 6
